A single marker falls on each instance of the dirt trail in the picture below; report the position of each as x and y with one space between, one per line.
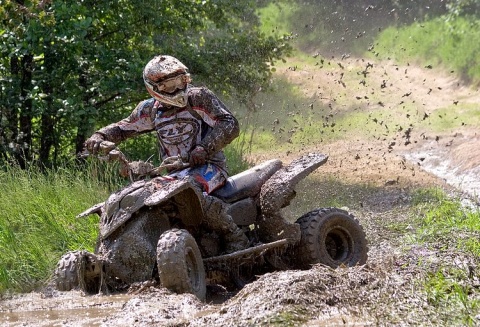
409 96
380 293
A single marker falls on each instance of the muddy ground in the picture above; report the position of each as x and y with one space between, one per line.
375 181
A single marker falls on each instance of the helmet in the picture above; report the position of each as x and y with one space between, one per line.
166 79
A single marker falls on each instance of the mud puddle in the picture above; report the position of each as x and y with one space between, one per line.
61 309
152 306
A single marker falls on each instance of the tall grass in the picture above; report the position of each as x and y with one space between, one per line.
38 222
236 154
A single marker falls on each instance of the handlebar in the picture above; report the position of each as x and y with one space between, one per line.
108 151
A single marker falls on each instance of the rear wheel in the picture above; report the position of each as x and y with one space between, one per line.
180 264
332 237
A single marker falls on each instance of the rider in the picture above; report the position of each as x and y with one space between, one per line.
190 122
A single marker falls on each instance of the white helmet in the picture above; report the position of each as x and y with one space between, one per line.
166 79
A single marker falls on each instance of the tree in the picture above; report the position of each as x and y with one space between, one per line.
69 66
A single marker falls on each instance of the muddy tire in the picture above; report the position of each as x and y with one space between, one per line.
180 264
332 237
66 272
78 270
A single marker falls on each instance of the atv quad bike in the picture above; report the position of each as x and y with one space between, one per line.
152 229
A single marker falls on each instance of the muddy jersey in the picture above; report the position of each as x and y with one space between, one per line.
204 121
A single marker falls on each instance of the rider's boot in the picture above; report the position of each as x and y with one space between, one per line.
235 238
274 227
217 219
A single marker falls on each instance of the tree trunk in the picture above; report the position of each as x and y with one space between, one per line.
11 113
84 128
47 129
24 140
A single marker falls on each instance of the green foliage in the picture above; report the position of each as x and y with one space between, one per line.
144 147
276 17
68 68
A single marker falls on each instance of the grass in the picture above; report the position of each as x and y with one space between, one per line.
292 318
458 301
451 43
236 154
38 222
452 231
443 216
453 117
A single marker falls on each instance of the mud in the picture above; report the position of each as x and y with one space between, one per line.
453 158
376 183
383 292
379 293
50 308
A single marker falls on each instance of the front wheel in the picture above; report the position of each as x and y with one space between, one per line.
332 237
78 269
180 264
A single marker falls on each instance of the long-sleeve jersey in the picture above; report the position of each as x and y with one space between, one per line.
205 121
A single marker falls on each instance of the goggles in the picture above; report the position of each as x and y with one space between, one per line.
170 85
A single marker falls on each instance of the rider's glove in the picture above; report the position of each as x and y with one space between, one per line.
93 143
198 156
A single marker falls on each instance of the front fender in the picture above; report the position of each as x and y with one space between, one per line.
121 205
186 196
96 209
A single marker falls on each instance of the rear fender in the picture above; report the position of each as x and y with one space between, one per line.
280 188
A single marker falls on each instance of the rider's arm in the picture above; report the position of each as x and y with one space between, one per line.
140 121
225 127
